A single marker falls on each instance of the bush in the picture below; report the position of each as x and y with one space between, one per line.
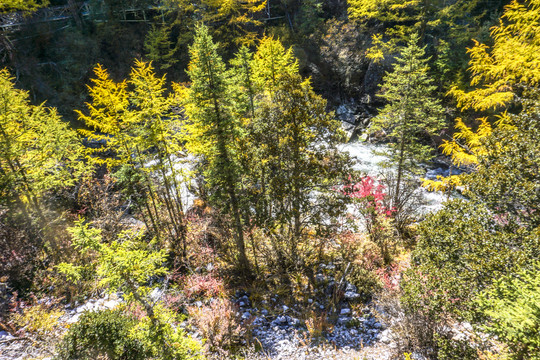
219 324
162 339
513 306
38 320
459 253
204 286
104 333
453 349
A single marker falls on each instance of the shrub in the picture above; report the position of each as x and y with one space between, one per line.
453 349
317 325
203 286
38 320
513 306
219 323
163 340
104 333
412 331
459 253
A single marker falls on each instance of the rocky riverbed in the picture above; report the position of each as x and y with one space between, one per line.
279 330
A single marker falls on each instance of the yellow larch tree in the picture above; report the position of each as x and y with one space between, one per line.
502 75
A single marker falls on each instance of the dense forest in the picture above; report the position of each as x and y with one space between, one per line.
270 179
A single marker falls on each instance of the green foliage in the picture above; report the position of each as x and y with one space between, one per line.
513 307
454 349
268 146
233 22
507 176
134 122
212 130
162 340
123 265
103 333
435 19
39 321
459 254
293 159
412 114
127 265
159 48
272 61
465 247
512 62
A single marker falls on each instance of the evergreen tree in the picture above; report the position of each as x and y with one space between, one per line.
159 48
464 248
411 115
299 162
400 19
233 22
127 264
502 76
213 132
272 61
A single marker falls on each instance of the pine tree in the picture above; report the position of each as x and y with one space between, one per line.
233 22
271 61
412 114
213 132
502 72
159 48
113 127
400 19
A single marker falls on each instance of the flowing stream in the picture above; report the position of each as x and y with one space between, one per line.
367 162
370 164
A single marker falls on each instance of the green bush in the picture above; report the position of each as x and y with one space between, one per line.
461 250
450 349
513 306
98 334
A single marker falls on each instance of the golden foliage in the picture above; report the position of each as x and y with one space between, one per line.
499 73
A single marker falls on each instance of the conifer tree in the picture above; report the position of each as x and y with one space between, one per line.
213 132
299 162
159 48
400 19
299 141
233 22
466 247
272 61
501 76
133 120
18 5
38 152
412 114
112 126
127 264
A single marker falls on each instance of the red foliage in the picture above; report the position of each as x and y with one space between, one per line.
370 193
205 286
